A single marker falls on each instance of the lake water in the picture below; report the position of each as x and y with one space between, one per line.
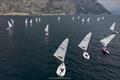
27 54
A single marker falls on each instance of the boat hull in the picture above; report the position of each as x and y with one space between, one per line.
61 70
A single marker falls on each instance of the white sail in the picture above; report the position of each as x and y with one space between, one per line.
78 17
73 18
26 21
103 18
98 19
39 19
107 40
88 20
58 18
9 24
85 42
31 22
61 70
36 19
12 21
47 30
113 26
83 20
61 51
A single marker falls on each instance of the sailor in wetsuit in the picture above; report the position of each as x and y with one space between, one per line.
104 50
61 70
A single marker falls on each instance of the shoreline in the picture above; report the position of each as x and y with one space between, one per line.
27 14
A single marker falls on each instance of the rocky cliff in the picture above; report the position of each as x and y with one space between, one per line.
38 7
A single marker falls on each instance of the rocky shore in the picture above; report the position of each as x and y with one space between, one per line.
51 7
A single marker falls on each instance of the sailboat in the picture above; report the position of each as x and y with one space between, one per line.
73 18
61 70
106 41
112 28
31 22
83 20
36 19
103 18
88 20
47 30
84 45
26 22
12 21
60 55
9 26
98 19
58 18
39 19
78 17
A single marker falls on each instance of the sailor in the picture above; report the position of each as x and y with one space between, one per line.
86 55
105 50
115 32
61 70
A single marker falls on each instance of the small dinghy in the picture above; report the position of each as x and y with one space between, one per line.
98 19
26 22
88 20
73 18
105 42
78 17
83 20
36 19
103 18
58 18
12 21
112 28
60 55
39 19
47 30
84 45
61 70
9 26
31 21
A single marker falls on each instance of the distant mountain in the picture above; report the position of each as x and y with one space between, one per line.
113 6
38 7
90 7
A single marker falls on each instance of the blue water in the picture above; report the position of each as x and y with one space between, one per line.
27 54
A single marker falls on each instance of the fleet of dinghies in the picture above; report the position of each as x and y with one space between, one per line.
30 22
61 51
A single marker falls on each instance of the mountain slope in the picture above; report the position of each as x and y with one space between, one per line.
38 7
